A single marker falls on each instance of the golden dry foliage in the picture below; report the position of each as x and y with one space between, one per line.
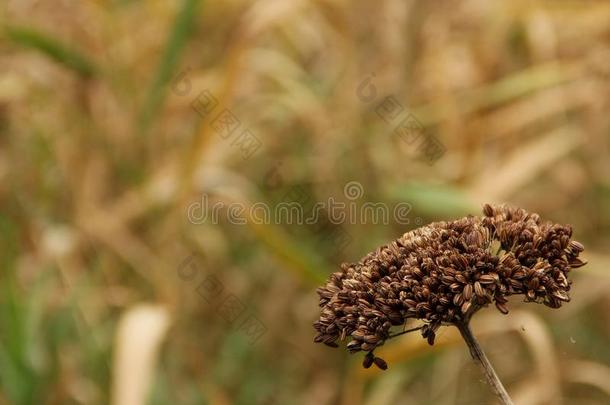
109 137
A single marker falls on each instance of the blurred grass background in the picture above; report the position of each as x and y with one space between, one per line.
101 154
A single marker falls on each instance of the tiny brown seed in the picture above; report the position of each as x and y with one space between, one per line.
368 360
478 290
381 363
467 292
576 246
533 283
576 262
372 339
561 295
502 308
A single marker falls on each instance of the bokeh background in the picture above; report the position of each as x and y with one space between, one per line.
110 293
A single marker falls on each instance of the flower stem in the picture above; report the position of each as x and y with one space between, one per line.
405 331
479 356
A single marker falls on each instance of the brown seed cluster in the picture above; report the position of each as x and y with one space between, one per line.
444 272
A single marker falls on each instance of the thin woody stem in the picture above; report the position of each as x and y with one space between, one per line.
479 356
405 331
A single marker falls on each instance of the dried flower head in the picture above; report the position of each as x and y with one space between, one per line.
443 273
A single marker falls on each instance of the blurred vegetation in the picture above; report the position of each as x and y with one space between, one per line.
102 153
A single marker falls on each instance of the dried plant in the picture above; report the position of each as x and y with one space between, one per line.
442 274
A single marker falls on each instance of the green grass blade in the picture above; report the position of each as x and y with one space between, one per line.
169 61
435 201
70 58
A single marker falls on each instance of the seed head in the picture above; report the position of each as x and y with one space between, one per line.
443 273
